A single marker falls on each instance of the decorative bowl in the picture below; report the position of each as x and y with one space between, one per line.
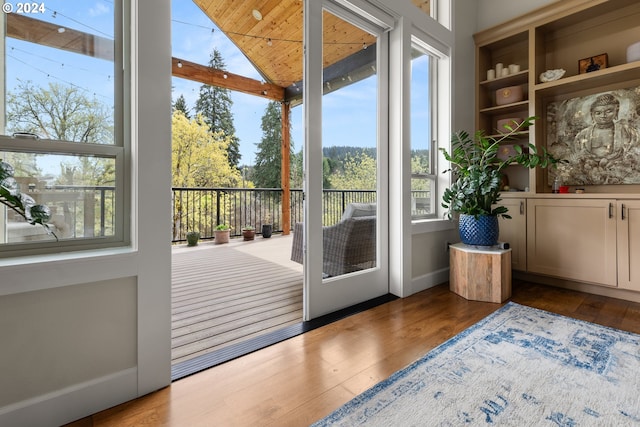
513 122
509 95
551 75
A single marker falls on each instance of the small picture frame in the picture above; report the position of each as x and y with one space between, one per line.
593 63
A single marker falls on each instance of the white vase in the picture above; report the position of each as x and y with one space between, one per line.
633 52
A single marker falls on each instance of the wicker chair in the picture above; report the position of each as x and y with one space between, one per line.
348 246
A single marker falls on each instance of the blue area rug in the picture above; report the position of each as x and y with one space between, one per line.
519 366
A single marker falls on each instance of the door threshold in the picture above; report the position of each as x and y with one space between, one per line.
215 358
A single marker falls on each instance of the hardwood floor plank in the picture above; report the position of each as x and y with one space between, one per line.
300 380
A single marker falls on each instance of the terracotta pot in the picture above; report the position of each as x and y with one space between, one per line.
222 236
248 234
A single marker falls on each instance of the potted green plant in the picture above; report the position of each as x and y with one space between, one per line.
192 238
477 180
248 232
222 233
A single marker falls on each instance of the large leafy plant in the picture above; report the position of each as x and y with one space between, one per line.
478 170
22 203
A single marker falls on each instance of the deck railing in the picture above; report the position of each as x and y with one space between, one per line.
203 209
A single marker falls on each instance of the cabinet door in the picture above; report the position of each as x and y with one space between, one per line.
628 213
514 232
572 239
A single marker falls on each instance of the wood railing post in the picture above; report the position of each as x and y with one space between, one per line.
285 169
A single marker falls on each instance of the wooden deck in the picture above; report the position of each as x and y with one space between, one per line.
224 294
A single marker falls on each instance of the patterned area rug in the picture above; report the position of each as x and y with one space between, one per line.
519 366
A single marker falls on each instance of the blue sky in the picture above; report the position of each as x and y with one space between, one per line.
348 113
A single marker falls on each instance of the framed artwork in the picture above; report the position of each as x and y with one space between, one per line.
593 63
599 136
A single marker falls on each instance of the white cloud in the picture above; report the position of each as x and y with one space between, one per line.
99 9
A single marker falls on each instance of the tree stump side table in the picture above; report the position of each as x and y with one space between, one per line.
480 274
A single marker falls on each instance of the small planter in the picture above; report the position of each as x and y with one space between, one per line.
481 231
248 234
266 230
192 238
221 236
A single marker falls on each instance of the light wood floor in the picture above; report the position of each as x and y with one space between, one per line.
225 294
301 380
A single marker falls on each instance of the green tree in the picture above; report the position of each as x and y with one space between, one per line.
198 157
297 166
359 173
181 105
59 112
214 104
266 172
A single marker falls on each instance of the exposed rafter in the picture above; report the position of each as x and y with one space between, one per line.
28 29
212 76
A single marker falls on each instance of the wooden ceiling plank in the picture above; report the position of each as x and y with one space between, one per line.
33 30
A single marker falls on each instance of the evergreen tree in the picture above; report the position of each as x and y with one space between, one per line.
266 172
181 105
214 104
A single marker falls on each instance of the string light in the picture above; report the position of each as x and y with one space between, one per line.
179 64
269 42
50 76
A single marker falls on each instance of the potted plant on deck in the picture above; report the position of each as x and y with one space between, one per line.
222 233
267 226
248 233
192 238
477 180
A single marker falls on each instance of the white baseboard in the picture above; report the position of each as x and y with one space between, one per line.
429 280
72 403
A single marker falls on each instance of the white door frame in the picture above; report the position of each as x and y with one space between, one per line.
328 295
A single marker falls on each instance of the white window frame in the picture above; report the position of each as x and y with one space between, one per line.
433 146
116 151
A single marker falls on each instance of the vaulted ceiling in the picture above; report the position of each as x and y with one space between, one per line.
270 33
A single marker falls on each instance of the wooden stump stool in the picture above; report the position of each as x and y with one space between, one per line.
480 274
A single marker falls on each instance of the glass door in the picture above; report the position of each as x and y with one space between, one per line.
346 227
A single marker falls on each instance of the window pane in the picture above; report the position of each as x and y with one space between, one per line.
79 190
422 174
350 147
58 78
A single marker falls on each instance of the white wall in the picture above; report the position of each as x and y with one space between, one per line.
494 12
429 260
82 332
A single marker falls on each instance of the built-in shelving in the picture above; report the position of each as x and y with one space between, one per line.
556 36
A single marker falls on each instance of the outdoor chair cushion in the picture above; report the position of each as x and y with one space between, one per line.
354 210
348 246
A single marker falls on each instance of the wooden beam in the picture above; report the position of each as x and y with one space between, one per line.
285 169
32 30
224 79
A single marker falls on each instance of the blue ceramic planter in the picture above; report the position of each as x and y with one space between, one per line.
481 231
